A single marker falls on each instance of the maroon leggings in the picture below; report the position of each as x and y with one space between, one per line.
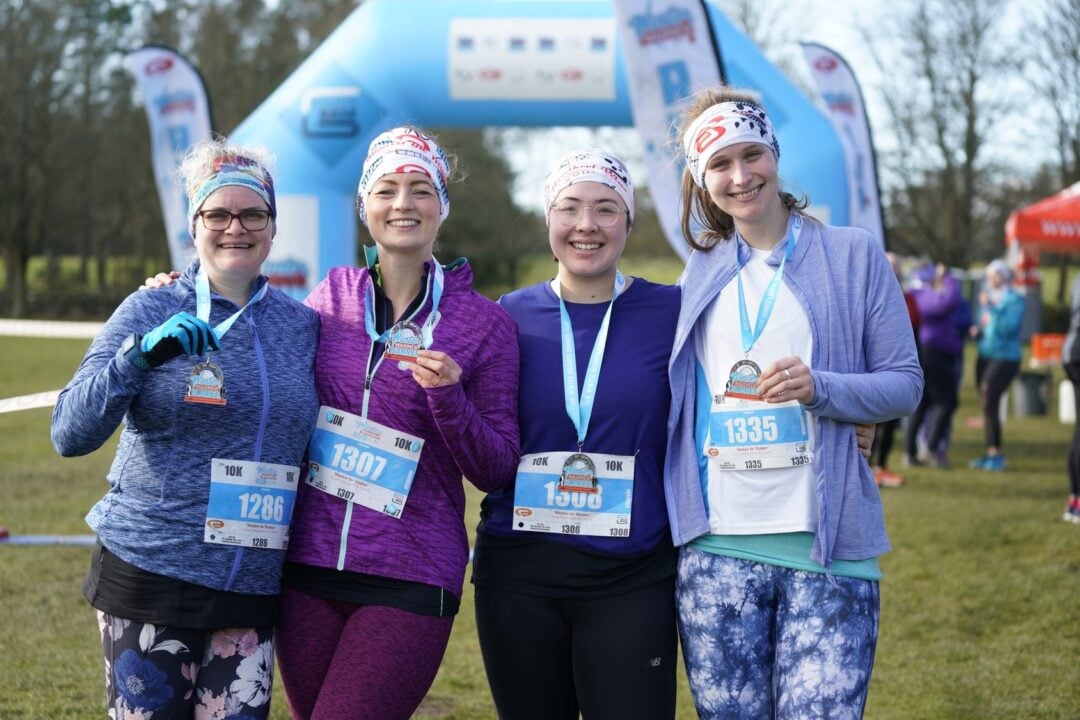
341 661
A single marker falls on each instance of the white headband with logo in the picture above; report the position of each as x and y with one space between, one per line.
589 165
404 150
723 125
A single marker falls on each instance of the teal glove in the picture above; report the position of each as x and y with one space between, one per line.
182 334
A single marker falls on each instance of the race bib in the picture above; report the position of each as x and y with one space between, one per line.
251 503
574 493
758 436
362 461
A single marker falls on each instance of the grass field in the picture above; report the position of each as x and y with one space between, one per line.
979 600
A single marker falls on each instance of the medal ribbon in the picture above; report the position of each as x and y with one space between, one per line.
768 298
202 303
434 287
580 409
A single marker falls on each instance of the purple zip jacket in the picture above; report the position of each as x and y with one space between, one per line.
938 313
469 429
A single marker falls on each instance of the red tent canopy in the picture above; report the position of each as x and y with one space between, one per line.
1052 224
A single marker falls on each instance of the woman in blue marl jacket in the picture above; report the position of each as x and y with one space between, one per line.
213 377
790 331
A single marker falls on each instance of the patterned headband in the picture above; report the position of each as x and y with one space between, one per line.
723 125
233 170
589 165
404 150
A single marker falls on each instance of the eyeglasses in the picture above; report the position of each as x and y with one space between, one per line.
604 214
221 219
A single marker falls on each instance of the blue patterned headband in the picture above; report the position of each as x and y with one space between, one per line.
234 170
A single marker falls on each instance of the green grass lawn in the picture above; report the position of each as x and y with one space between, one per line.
979 600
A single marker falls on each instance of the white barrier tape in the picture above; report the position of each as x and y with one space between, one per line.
49 328
29 402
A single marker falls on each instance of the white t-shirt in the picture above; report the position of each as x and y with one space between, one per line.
751 502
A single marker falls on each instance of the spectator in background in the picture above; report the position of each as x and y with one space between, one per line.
997 329
937 298
883 439
963 330
1070 358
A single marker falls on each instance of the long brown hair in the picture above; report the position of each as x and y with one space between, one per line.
695 204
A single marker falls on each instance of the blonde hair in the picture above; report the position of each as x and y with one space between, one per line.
696 206
198 162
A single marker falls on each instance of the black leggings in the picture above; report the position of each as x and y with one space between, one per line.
939 397
607 658
883 442
993 378
1072 369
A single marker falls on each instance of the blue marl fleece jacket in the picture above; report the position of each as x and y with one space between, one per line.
153 514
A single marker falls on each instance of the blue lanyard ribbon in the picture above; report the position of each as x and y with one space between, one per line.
434 287
202 303
580 408
768 298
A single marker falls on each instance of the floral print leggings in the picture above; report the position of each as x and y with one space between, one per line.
156 672
762 641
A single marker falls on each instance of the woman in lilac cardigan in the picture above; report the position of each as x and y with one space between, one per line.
790 331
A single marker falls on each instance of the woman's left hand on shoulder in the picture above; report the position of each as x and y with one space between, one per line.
787 379
435 369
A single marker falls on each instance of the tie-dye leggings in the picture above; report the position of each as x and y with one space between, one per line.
762 641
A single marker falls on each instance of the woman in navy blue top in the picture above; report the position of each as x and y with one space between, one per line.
574 566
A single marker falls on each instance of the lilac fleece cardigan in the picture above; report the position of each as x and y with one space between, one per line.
865 370
469 429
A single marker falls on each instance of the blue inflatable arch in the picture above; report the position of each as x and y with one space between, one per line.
437 63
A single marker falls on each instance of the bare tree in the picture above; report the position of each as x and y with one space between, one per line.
948 57
32 42
1053 70
768 25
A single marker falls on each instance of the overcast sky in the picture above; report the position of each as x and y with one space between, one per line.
833 23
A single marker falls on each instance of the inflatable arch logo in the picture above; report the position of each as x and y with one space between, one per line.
439 63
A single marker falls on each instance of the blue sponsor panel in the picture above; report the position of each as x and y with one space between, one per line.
767 426
360 461
540 490
247 503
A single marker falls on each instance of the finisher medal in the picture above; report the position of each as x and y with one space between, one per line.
206 385
743 381
578 474
404 342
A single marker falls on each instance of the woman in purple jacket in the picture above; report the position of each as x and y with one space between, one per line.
417 375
